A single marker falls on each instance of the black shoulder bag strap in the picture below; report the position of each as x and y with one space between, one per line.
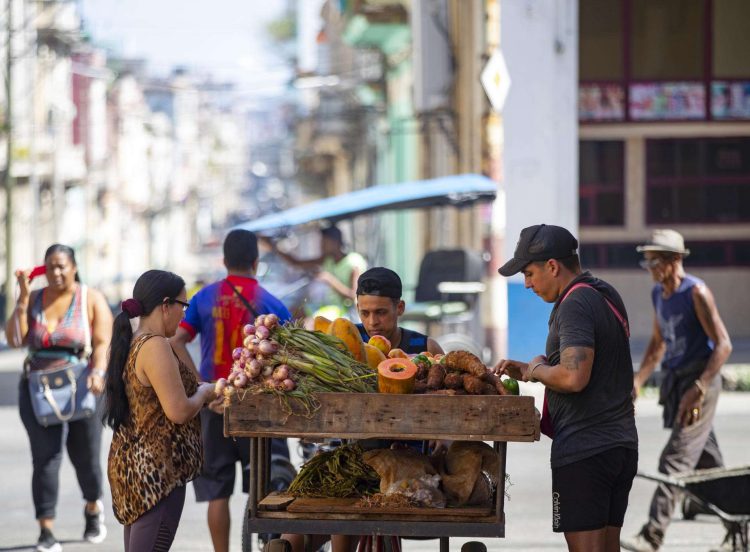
245 302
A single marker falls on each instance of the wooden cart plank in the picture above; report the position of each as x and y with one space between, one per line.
370 415
350 506
276 501
323 516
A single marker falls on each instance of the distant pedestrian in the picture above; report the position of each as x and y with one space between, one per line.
335 267
64 322
218 312
587 372
692 344
153 400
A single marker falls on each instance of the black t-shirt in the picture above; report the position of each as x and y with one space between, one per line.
601 416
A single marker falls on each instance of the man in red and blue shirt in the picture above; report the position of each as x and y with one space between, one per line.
218 312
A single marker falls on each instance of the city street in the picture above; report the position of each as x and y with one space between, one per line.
528 511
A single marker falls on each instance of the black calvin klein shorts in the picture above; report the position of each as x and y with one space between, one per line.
593 493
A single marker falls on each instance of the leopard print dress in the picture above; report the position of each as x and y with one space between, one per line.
150 456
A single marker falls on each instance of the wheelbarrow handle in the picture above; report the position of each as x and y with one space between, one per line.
661 478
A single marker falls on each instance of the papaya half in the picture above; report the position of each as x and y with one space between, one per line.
396 375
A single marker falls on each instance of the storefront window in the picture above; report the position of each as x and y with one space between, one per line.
731 39
601 183
704 180
667 39
702 253
664 60
600 49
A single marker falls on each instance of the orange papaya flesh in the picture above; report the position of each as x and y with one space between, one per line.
396 375
374 356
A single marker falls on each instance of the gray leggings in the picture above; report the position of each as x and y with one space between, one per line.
154 531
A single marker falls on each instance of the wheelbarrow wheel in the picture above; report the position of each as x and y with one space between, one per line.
473 546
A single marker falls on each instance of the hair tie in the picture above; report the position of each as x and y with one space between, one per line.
131 307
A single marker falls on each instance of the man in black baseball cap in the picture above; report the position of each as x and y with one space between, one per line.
540 242
379 305
588 373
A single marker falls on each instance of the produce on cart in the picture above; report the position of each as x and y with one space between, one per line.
295 364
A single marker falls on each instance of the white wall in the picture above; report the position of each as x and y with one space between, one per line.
540 45
539 39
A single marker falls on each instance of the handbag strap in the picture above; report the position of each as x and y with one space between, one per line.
51 398
248 304
87 348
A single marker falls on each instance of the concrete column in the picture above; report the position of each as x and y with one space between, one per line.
540 43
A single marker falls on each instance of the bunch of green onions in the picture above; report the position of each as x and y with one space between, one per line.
325 359
323 365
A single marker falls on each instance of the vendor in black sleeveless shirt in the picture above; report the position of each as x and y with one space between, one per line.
379 305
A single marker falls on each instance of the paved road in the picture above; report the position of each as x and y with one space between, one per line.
528 512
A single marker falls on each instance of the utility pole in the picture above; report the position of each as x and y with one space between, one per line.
9 273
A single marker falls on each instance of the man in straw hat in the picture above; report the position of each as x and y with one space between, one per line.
691 342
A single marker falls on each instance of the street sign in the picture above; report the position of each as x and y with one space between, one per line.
496 80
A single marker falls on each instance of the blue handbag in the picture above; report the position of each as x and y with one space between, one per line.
58 391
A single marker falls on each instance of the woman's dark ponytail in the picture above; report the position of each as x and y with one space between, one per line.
117 409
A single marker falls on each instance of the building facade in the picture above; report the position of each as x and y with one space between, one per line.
664 113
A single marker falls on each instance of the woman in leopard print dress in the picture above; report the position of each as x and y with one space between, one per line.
152 402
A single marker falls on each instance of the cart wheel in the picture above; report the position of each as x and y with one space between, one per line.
278 545
473 546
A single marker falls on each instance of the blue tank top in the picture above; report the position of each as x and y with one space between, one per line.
679 325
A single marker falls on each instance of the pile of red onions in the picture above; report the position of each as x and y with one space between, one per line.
254 364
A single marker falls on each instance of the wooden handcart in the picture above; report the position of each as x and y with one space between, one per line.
498 419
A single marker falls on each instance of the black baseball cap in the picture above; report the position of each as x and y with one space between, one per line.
379 281
540 242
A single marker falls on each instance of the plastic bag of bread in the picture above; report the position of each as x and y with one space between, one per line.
469 471
394 465
423 491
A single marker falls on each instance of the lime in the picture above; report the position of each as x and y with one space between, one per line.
511 386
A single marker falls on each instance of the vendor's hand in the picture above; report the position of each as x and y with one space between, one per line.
24 283
690 409
513 368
